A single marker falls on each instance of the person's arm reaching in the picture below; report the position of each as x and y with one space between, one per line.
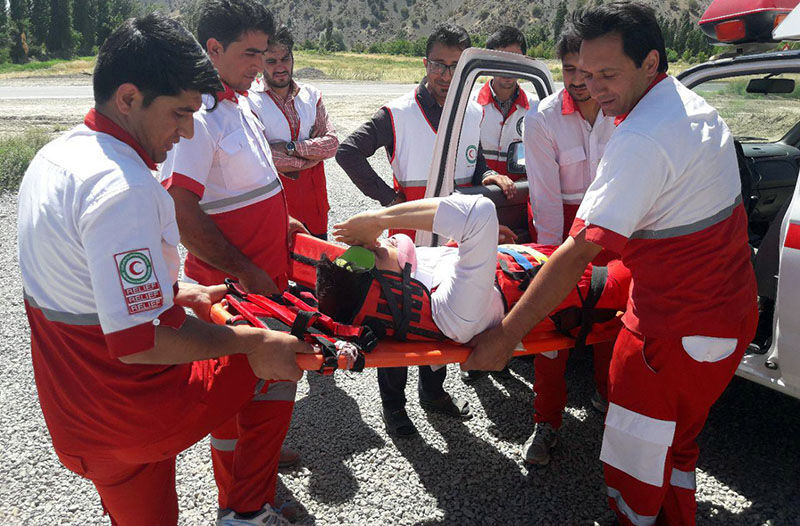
354 152
202 238
494 347
271 353
365 228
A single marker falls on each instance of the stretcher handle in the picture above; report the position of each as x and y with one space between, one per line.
219 314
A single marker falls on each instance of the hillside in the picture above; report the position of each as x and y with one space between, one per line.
370 21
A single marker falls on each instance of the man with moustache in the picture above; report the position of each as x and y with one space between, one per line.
667 198
230 208
564 141
125 378
406 128
299 132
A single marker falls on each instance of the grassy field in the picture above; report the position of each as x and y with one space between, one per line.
16 153
82 65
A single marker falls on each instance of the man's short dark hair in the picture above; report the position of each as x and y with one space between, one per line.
284 38
339 291
569 42
634 22
228 20
157 55
507 36
450 35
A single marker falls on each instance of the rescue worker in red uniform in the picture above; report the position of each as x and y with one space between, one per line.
667 197
299 132
406 129
564 140
126 380
229 204
504 105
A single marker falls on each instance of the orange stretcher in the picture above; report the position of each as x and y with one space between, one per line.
390 353
306 250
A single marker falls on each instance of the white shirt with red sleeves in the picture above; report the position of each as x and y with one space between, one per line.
667 197
97 249
499 131
562 152
228 164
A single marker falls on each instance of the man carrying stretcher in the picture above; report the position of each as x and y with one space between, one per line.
467 289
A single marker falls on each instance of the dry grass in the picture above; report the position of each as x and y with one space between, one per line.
50 68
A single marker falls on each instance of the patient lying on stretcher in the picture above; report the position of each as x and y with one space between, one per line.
423 293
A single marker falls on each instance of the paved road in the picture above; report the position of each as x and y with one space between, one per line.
27 89
19 90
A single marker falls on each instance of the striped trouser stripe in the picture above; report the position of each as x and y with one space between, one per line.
278 392
635 518
224 444
683 479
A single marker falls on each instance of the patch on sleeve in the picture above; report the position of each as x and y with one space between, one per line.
140 285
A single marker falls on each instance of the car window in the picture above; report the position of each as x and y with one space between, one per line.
755 117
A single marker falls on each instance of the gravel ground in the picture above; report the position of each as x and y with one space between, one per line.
455 472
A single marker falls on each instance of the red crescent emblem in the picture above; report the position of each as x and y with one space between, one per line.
132 268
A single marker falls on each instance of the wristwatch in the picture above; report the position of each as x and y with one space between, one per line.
290 148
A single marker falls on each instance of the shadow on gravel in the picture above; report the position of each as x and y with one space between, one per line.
475 483
751 443
324 443
509 412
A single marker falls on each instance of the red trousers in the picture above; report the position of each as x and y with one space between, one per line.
307 198
137 485
660 393
551 387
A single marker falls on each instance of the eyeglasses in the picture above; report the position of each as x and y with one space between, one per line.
440 68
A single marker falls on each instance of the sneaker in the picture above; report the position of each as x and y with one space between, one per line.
266 517
447 405
599 403
537 448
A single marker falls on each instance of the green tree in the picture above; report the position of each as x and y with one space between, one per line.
59 37
39 21
558 19
85 24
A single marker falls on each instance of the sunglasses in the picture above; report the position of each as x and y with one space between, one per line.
356 259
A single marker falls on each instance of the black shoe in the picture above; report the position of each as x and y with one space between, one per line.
447 405
397 423
470 376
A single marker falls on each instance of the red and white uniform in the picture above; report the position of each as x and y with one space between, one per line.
497 131
228 164
306 190
562 152
414 140
97 250
667 198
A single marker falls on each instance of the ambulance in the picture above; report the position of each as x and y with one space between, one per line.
755 84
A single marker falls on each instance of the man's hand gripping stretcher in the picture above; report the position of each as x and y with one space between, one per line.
387 303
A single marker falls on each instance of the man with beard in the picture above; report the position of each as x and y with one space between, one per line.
230 209
299 132
564 141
